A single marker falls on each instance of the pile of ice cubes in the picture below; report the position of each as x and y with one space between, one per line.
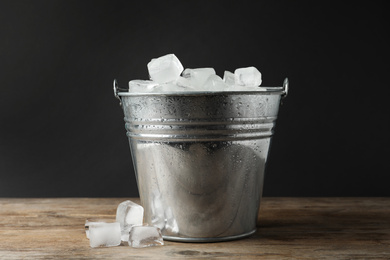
167 74
127 228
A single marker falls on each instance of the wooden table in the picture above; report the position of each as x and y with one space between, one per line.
288 228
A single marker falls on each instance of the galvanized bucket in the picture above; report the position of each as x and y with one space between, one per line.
199 159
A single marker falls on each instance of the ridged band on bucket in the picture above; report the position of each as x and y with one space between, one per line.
200 117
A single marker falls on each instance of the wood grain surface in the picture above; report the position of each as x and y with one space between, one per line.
288 228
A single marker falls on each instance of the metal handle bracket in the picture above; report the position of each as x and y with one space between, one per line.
285 88
116 90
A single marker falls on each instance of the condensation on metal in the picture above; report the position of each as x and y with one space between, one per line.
186 130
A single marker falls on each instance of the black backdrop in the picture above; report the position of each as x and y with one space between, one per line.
62 131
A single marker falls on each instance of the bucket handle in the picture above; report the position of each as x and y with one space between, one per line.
116 91
115 83
285 88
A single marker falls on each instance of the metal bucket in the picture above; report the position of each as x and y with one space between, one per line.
199 159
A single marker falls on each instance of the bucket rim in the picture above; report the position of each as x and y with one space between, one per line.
282 91
264 90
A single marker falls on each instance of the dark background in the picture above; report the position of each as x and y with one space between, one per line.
62 131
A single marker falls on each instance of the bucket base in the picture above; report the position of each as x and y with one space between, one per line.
207 239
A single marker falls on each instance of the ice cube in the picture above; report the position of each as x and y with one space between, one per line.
165 69
158 217
249 76
171 223
215 83
90 222
104 234
198 76
145 236
128 214
175 86
185 84
228 78
142 86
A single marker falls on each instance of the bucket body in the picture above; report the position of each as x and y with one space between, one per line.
199 160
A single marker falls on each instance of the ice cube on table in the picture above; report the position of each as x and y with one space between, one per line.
228 78
104 234
142 86
249 76
157 209
215 83
92 221
145 236
165 69
129 214
171 223
198 76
